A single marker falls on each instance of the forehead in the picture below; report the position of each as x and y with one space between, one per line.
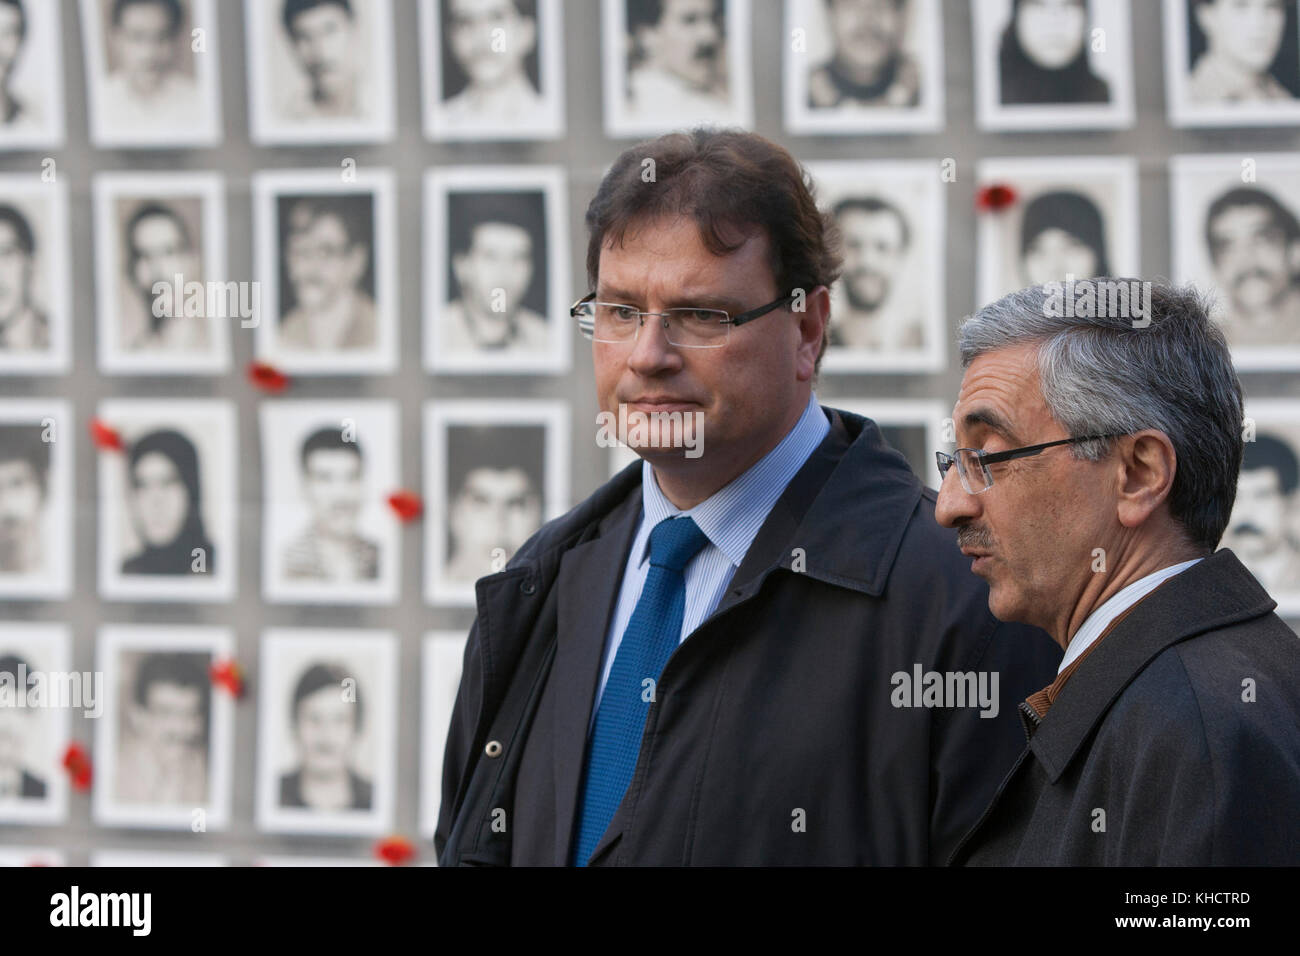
668 255
334 459
157 228
1240 219
501 234
498 482
1000 394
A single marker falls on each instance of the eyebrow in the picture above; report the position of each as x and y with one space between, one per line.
991 420
702 300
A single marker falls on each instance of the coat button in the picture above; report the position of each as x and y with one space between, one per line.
493 748
527 586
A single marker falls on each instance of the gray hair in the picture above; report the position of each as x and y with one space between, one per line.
1107 374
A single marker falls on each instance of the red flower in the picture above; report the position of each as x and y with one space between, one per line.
105 436
394 850
267 377
995 197
77 762
407 504
227 673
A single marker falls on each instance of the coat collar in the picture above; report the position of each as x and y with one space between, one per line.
1214 593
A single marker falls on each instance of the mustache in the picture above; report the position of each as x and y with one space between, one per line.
1247 275
1248 527
978 539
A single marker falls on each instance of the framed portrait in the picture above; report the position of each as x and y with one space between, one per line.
315 861
151 72
31 856
327 731
887 313
327 265
1229 63
1264 529
328 535
37 436
168 858
38 693
675 64
164 305
31 76
861 69
168 501
494 471
164 742
440 668
1072 218
914 427
1235 224
492 69
320 71
1053 64
496 271
35 306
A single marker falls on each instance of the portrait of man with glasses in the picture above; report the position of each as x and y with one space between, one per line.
693 666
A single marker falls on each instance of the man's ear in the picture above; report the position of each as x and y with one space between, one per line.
812 313
1146 469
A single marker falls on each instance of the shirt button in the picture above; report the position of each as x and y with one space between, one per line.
493 748
527 586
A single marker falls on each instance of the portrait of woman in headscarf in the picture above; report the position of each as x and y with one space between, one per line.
1062 234
1044 55
165 507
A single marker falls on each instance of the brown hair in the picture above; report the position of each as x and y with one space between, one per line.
730 182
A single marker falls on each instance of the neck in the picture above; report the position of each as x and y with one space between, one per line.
1129 561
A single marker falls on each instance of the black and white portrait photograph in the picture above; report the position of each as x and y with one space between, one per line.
328 535
670 64
35 306
496 274
31 75
320 71
327 726
440 665
862 67
1235 226
1073 218
160 246
887 312
1232 62
37 437
916 427
1264 530
494 471
35 722
152 73
492 69
327 264
168 501
1051 64
164 742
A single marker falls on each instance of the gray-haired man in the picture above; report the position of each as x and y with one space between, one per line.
1100 475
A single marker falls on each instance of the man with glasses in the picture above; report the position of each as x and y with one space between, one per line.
327 262
1097 475
700 664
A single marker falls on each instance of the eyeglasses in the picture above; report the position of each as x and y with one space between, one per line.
686 328
972 463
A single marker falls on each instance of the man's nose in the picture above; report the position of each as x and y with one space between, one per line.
651 350
955 503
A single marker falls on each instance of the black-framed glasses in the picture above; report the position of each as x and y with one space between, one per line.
972 463
685 327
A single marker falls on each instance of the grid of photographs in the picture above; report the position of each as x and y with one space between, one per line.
386 207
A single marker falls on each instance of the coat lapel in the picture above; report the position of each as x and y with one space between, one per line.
588 583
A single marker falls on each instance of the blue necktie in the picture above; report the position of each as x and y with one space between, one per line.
653 632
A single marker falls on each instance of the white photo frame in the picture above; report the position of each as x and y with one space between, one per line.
282 104
33 117
359 205
151 858
1102 187
529 204
1106 68
369 659
551 474
42 340
924 415
184 110
913 316
155 572
1192 103
127 758
1227 185
628 112
918 74
38 435
295 563
140 219
440 667
42 732
535 110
